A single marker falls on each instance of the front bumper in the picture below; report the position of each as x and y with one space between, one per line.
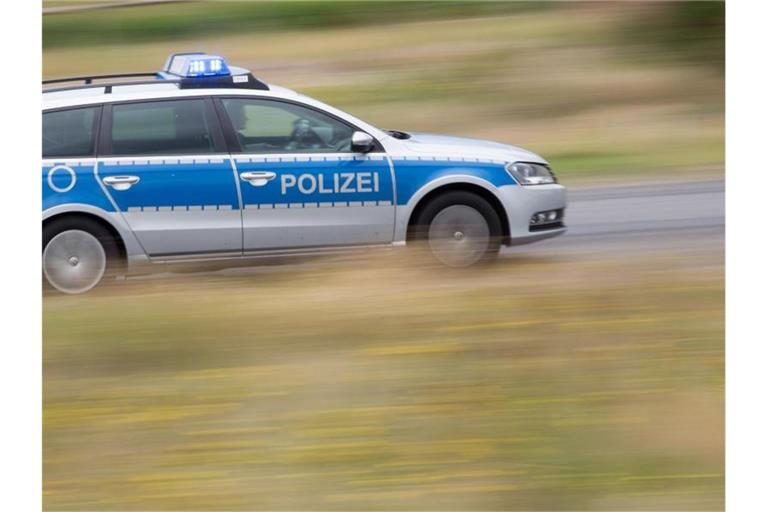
522 202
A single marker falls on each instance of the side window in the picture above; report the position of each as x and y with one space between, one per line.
162 128
265 126
69 133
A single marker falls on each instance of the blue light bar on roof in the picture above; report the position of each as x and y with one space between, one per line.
195 65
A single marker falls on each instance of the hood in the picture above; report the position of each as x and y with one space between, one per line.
445 145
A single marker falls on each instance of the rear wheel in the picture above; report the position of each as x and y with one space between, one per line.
77 254
460 229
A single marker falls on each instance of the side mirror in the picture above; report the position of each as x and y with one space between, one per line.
362 142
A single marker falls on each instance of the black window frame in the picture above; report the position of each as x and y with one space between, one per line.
105 139
233 142
96 133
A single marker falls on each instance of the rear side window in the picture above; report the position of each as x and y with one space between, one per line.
162 128
69 133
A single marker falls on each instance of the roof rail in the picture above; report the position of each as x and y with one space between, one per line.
241 81
89 79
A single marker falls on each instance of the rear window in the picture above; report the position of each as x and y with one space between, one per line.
162 128
69 133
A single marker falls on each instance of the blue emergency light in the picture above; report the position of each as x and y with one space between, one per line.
199 70
196 65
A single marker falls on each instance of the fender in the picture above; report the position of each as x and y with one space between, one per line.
403 213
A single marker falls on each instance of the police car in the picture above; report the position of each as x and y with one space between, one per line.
202 160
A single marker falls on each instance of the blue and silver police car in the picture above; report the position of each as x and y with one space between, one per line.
203 160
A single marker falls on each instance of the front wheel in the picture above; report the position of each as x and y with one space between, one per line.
77 254
460 229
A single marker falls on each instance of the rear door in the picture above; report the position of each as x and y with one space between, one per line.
165 165
302 186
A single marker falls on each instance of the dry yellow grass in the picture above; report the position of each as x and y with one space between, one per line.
558 384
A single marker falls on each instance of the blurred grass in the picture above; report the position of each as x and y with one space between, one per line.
180 20
574 384
558 78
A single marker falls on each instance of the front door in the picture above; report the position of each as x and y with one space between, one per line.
301 184
170 176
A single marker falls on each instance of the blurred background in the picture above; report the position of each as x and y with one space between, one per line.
581 373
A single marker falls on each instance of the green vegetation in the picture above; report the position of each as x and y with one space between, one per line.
556 384
174 21
691 32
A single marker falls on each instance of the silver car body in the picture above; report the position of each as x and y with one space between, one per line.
371 202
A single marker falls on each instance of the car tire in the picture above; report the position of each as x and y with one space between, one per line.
79 253
459 229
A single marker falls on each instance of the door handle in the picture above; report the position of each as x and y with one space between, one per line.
121 182
258 178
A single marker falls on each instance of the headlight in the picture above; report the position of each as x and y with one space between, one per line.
531 174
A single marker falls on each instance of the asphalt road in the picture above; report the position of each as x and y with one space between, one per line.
615 221
641 217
